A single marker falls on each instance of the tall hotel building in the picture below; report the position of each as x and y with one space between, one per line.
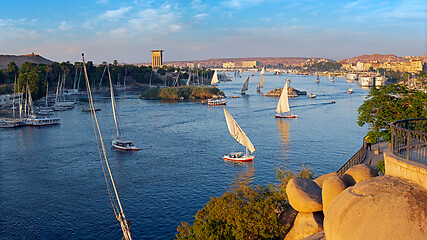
156 58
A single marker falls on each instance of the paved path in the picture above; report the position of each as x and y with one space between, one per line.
372 157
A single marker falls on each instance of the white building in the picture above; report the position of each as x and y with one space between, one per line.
7 100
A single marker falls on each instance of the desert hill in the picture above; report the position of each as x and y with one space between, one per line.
20 59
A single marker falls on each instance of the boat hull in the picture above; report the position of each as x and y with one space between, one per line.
285 116
124 145
239 159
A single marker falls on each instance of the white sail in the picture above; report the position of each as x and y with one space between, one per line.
215 78
261 83
262 71
245 86
188 80
237 132
113 104
283 104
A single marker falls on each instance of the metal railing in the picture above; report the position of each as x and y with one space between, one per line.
357 158
409 139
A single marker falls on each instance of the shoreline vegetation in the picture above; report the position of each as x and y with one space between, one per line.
181 93
250 212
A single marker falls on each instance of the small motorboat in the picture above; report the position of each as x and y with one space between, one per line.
312 95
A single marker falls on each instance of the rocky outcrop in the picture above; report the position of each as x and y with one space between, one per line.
319 181
332 186
384 207
305 225
304 195
292 92
358 173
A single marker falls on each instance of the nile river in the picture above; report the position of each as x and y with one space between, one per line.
51 181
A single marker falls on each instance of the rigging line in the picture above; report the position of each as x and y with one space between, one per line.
110 194
111 198
121 216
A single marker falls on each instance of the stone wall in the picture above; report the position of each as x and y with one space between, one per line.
399 167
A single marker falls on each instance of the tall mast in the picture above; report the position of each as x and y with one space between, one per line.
13 101
113 104
120 216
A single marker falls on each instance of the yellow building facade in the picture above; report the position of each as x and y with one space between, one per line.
156 58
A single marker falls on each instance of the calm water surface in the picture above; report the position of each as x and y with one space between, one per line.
51 181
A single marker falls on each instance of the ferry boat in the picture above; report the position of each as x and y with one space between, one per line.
216 102
41 121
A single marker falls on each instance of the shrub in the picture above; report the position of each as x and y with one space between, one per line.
285 176
248 213
381 167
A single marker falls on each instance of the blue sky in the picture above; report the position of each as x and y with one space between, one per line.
105 30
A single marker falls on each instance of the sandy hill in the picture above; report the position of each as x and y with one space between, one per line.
373 57
20 59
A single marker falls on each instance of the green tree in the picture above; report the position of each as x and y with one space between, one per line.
388 104
35 82
12 69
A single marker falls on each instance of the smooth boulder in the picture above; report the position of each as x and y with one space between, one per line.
319 181
304 195
331 188
306 224
384 207
358 173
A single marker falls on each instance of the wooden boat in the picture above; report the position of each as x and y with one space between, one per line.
117 142
245 87
260 84
240 136
215 80
283 104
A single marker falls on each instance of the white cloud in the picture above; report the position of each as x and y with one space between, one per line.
114 15
160 20
239 4
201 15
64 26
102 1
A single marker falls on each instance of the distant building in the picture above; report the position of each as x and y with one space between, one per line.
229 65
250 64
156 58
7 99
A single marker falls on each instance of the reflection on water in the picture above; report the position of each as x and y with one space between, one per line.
245 176
283 126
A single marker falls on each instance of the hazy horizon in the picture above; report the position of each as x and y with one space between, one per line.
198 30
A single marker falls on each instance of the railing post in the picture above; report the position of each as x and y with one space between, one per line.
408 142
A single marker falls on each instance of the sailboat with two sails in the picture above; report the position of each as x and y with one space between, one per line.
283 104
240 136
117 141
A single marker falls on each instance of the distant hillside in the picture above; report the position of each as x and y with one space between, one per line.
374 57
287 61
19 60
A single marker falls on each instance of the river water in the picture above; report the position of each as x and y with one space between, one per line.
51 181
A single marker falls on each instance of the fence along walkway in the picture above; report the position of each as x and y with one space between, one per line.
409 139
354 160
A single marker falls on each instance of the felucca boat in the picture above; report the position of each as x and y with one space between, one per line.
260 84
240 137
118 142
215 80
245 87
283 104
109 180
